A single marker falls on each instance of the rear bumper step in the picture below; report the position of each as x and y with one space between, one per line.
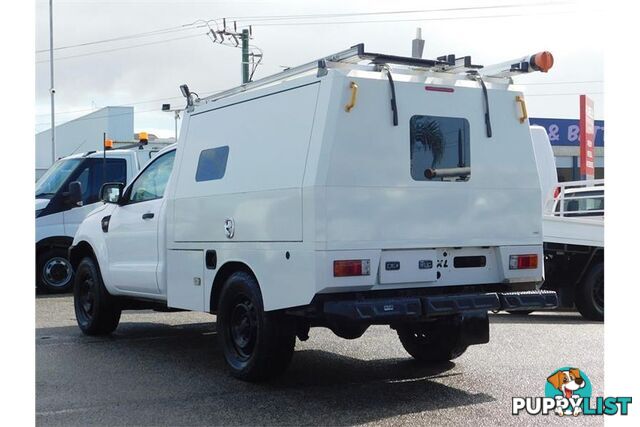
386 310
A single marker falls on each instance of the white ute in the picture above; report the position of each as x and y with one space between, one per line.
355 190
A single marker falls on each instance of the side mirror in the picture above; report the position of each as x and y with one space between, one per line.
74 194
111 192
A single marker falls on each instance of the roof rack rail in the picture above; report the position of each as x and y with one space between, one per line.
447 63
353 55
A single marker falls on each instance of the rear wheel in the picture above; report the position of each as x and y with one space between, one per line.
589 297
54 272
257 345
431 341
96 311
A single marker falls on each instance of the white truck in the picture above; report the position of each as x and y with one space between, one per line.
573 229
355 190
573 234
59 213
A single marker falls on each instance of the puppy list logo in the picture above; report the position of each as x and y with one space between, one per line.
568 392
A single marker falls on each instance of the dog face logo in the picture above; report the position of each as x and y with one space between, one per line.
569 385
567 381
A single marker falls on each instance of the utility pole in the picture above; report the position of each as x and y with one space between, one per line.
52 88
229 35
245 56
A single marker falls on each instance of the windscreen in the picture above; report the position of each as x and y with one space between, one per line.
49 183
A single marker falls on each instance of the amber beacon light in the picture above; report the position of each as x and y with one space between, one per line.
542 61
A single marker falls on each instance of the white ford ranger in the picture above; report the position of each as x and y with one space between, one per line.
355 190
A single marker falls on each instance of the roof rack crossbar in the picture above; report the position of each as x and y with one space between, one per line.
541 61
336 57
352 55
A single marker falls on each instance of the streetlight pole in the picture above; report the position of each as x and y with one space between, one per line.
52 88
176 117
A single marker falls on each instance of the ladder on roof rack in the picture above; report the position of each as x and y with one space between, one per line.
448 64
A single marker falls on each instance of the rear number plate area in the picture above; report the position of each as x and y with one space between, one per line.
408 266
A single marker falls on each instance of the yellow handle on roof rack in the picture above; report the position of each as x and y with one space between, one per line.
354 96
523 107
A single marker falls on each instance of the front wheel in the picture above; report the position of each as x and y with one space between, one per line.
96 311
589 298
257 345
54 273
431 341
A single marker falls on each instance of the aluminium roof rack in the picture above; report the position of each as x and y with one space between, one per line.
355 54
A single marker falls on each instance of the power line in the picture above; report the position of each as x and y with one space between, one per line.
127 37
257 18
391 12
386 21
122 48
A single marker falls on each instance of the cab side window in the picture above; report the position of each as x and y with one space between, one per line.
91 177
152 181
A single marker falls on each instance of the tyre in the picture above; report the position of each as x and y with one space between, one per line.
589 295
431 341
257 345
54 273
96 311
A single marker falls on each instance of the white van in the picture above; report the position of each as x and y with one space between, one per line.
58 213
356 190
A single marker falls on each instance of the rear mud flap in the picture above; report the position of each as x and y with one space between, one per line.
474 328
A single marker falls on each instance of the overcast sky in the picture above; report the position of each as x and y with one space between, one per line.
115 73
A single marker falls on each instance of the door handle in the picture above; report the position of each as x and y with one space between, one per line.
148 215
523 108
354 96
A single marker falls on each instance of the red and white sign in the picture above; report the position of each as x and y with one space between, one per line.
587 138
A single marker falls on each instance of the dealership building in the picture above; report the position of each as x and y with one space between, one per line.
564 135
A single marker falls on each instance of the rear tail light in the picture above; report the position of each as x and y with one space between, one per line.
523 262
351 267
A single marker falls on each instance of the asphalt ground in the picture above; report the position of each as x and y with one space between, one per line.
168 369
